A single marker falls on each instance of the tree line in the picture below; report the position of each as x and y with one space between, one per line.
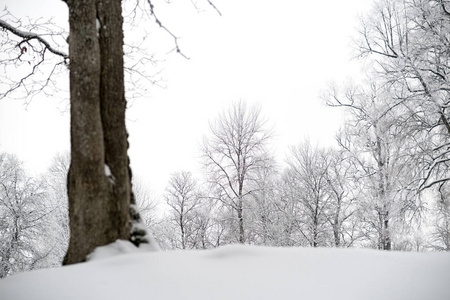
353 195
385 185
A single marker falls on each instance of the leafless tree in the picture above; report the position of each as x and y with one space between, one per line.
440 229
384 153
306 177
147 203
262 213
27 238
234 151
409 43
317 199
56 182
183 198
343 191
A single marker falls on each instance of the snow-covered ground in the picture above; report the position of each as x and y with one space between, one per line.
119 271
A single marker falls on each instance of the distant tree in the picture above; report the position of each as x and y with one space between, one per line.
56 182
27 238
262 213
235 150
408 41
343 191
183 198
306 177
209 230
440 227
383 152
146 201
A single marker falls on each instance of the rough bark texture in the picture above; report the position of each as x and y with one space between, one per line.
99 201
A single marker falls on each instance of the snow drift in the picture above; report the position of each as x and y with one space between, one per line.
120 271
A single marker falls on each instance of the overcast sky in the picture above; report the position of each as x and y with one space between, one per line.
279 54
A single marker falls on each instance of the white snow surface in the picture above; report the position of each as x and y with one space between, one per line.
121 271
107 170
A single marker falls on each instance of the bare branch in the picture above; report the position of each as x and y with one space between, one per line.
160 24
31 58
26 36
215 8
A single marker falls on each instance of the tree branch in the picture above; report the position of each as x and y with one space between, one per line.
160 24
26 36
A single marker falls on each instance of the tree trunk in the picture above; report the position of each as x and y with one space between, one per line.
241 223
99 183
183 234
336 231
386 239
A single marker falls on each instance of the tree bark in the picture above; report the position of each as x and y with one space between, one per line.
99 183
240 216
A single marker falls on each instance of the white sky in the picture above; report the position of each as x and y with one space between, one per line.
276 53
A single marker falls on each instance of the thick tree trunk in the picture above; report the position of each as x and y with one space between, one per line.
99 184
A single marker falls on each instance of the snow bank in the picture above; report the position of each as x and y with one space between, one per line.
119 247
236 272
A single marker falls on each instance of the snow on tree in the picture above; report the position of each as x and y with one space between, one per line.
27 221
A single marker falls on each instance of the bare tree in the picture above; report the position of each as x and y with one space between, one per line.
27 238
235 150
262 215
440 229
209 231
383 151
307 178
342 190
183 198
56 182
147 203
409 43
99 180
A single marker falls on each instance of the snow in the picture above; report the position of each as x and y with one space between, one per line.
107 170
117 248
109 174
121 271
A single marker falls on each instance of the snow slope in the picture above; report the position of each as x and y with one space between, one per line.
120 271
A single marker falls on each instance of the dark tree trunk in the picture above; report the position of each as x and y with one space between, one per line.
240 216
386 239
336 227
240 209
183 234
99 183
